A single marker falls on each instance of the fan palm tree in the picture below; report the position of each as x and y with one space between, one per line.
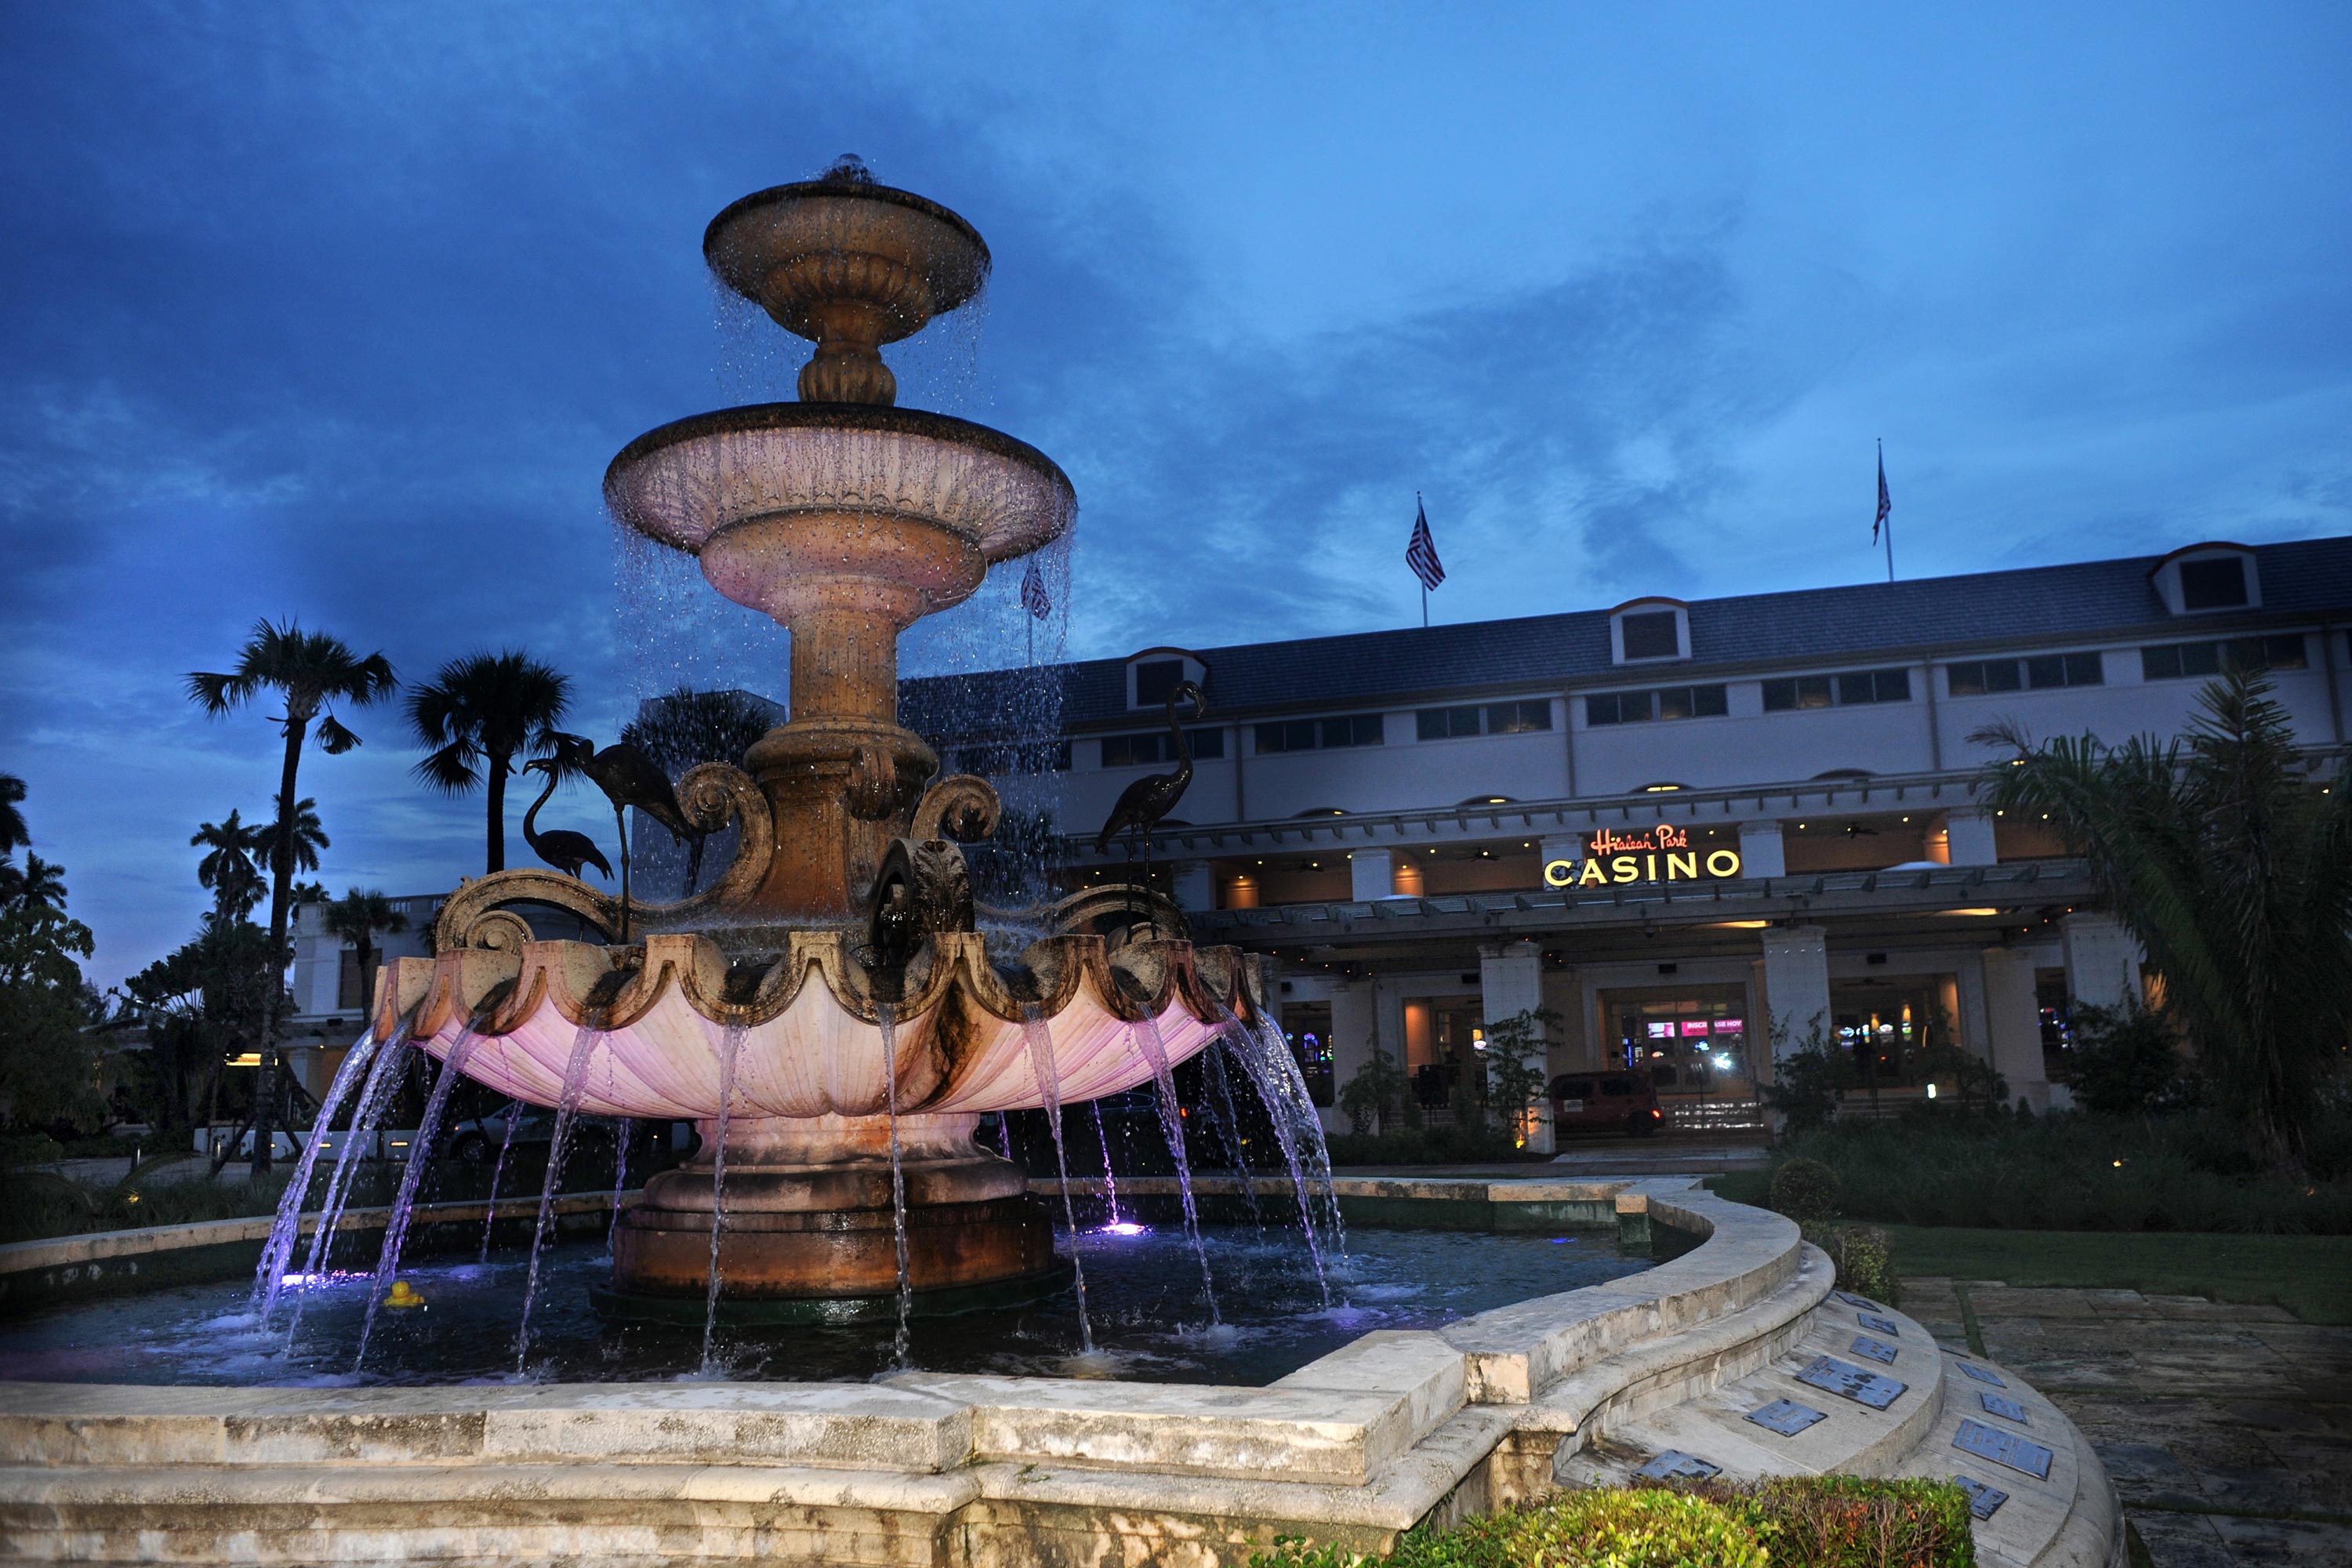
356 917
227 867
41 883
13 833
309 672
308 838
479 714
2231 863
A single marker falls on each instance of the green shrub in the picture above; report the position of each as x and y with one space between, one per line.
1847 1522
29 1149
1864 1256
1796 1521
1807 1189
2122 1060
44 1204
1428 1146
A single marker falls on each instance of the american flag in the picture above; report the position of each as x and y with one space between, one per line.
1033 597
1421 554
1885 501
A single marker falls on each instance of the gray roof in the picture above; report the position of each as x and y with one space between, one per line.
2043 606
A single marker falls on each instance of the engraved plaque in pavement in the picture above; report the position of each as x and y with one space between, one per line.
1984 1501
1787 1417
2020 1454
1876 1324
2007 1409
1864 1346
1982 1374
1842 1377
1675 1465
1865 1302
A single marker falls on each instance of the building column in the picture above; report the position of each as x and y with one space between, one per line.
1192 886
1510 979
1351 1044
1968 836
1796 986
2013 1020
1372 874
1974 1023
1760 853
2102 960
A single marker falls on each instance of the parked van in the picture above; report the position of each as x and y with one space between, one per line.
1606 1102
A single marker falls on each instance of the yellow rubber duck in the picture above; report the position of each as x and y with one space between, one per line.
403 1296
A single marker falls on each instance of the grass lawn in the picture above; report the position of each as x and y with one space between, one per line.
2310 1276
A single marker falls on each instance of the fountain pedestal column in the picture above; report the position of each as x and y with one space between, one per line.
810 1232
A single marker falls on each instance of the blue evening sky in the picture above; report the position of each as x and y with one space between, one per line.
339 312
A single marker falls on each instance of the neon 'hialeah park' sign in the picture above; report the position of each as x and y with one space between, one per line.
1662 855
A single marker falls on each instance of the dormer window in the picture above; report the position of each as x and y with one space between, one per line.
1645 631
2205 579
1152 673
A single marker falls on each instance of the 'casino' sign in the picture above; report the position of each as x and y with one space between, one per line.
1662 855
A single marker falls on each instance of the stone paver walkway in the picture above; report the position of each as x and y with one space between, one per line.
2228 1429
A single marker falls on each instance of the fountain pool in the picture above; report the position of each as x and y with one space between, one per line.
1148 1316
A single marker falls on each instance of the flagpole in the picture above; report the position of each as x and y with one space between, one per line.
1424 606
1888 521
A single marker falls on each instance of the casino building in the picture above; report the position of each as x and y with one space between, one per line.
1690 830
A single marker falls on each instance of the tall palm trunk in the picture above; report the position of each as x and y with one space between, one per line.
281 889
497 812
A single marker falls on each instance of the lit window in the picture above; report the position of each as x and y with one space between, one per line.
1445 723
2189 661
1518 718
1847 687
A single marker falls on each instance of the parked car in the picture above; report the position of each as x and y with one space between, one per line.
1624 1101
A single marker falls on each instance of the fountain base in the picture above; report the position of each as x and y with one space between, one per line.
810 1218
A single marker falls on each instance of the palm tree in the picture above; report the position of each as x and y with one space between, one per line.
309 671
688 728
2232 862
13 833
228 868
308 838
479 715
356 917
41 884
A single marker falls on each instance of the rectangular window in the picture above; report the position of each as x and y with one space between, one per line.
1155 678
1848 686
2214 584
1445 723
1651 634
1666 702
2045 671
2191 660
1312 734
1208 744
1518 718
1980 677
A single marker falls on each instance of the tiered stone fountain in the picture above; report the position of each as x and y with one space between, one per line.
837 957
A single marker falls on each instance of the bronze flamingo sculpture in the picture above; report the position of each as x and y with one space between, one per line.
565 851
628 777
1142 803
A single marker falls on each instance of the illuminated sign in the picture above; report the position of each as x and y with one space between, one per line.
1662 855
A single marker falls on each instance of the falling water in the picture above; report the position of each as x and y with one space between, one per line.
1005 1133
420 1156
731 1051
1110 1178
269 1278
620 1175
1273 1052
1278 1112
1229 1128
567 1106
375 1101
883 1012
1049 1087
1171 1121
497 1174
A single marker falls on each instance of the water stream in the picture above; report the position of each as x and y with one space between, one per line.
270 1277
1110 1178
497 1174
420 1158
1250 1051
375 1101
1146 1032
567 1106
731 1051
1049 1087
898 1343
1229 1126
